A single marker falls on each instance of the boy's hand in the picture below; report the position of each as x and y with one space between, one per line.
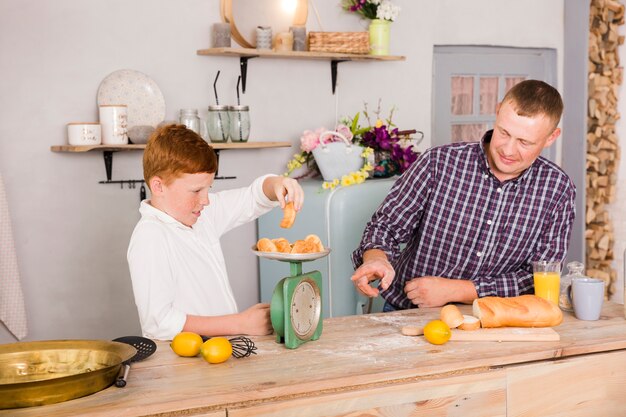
255 321
276 188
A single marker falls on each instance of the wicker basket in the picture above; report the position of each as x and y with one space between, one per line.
340 42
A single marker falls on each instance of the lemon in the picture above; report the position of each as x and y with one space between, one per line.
186 344
437 332
216 350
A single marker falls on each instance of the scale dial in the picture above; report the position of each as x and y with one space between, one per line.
305 308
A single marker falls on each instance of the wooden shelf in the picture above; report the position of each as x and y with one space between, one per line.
217 146
244 54
107 153
325 56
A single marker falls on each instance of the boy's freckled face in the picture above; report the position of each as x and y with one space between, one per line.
186 196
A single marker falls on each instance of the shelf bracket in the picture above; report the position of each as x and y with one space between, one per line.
333 72
243 67
108 163
217 177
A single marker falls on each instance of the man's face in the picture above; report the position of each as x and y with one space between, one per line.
185 197
517 141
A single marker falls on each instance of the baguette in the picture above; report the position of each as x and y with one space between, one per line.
522 311
469 323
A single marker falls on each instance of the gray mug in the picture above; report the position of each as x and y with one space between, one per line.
587 297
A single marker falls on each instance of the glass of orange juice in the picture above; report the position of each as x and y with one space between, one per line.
547 278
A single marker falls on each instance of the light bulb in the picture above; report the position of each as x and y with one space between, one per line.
289 6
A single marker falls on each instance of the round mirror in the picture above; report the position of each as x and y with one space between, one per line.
278 14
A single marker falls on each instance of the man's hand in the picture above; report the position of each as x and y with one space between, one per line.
438 291
373 268
255 321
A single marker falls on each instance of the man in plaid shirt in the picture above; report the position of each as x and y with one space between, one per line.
473 216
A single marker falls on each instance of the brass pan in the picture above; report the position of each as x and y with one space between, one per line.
46 372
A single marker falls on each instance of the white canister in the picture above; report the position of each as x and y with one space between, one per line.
113 120
80 134
264 37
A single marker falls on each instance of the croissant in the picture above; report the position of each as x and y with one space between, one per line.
289 216
315 240
266 245
303 246
282 245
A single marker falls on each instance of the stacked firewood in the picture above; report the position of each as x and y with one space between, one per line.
605 76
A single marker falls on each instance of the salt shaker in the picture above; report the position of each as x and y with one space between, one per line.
219 123
239 123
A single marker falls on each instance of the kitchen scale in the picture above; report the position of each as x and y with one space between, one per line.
296 306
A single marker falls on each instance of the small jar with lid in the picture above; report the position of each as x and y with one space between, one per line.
239 123
575 269
189 118
219 123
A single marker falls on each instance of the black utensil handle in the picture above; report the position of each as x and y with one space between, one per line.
121 378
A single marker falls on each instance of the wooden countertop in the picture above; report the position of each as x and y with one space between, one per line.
353 353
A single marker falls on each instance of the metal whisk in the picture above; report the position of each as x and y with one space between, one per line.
242 347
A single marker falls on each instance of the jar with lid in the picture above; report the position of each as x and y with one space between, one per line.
189 118
575 269
239 123
219 123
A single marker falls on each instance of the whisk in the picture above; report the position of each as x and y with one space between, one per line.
242 347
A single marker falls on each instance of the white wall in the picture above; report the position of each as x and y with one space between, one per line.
72 233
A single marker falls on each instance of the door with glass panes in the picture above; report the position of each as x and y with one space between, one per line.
469 81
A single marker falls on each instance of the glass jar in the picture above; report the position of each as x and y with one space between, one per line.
575 269
239 123
189 118
219 123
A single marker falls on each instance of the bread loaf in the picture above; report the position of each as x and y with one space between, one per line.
522 311
451 315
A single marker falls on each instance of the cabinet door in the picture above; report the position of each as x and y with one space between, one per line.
478 395
469 81
582 386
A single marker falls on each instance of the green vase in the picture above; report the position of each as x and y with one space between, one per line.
379 37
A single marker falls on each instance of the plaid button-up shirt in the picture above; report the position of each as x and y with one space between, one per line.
459 221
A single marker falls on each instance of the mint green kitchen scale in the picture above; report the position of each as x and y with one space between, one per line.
296 306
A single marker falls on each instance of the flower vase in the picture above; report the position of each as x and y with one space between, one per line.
379 36
384 165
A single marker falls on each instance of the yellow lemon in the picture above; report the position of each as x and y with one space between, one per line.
186 344
216 350
437 332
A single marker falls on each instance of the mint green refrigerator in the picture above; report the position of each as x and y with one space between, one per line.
338 217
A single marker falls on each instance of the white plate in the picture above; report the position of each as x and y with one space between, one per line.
290 257
146 105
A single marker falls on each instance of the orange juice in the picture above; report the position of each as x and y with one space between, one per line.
547 285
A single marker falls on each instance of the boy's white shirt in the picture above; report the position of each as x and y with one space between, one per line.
178 270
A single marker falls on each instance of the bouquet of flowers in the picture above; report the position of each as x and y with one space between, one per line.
386 152
373 9
392 153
